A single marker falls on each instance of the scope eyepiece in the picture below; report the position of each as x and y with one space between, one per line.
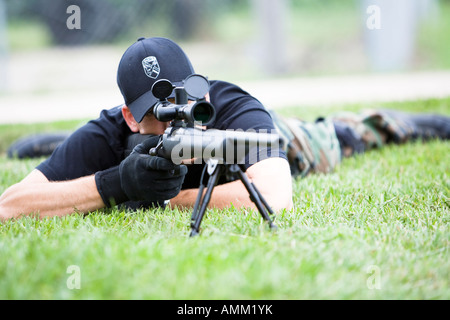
200 112
164 111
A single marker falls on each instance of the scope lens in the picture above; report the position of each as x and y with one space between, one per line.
203 113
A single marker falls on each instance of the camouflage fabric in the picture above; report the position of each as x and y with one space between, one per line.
318 147
310 147
375 128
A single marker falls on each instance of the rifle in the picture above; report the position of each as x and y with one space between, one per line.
224 151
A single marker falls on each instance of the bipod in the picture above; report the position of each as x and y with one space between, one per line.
215 171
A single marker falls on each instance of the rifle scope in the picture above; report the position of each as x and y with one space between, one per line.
199 112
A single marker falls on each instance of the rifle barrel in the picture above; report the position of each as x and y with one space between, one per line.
227 146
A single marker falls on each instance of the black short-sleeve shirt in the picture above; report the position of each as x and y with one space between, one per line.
101 143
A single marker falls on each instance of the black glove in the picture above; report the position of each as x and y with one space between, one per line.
140 177
145 177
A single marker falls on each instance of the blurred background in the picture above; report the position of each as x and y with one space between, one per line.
49 56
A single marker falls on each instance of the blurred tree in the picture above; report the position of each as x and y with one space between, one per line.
100 21
271 19
186 17
392 46
3 48
108 20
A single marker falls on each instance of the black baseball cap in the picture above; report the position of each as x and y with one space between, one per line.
145 62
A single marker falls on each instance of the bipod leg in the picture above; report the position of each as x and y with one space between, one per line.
198 200
202 201
255 196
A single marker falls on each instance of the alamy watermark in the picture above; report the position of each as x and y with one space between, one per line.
373 22
373 282
74 20
74 280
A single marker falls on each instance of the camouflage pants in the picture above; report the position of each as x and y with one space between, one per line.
318 147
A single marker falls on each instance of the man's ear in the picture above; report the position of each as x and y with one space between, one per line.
129 119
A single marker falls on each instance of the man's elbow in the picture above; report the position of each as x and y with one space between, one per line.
288 204
2 216
5 209
273 179
10 205
279 201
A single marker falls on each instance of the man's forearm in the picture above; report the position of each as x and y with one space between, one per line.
50 198
223 196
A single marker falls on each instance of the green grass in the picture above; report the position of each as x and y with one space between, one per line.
433 50
12 132
376 228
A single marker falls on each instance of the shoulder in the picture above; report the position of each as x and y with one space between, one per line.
97 145
110 126
237 109
109 130
110 119
222 90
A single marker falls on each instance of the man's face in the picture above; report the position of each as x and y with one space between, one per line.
151 125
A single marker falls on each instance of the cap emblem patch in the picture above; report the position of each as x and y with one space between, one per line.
151 67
